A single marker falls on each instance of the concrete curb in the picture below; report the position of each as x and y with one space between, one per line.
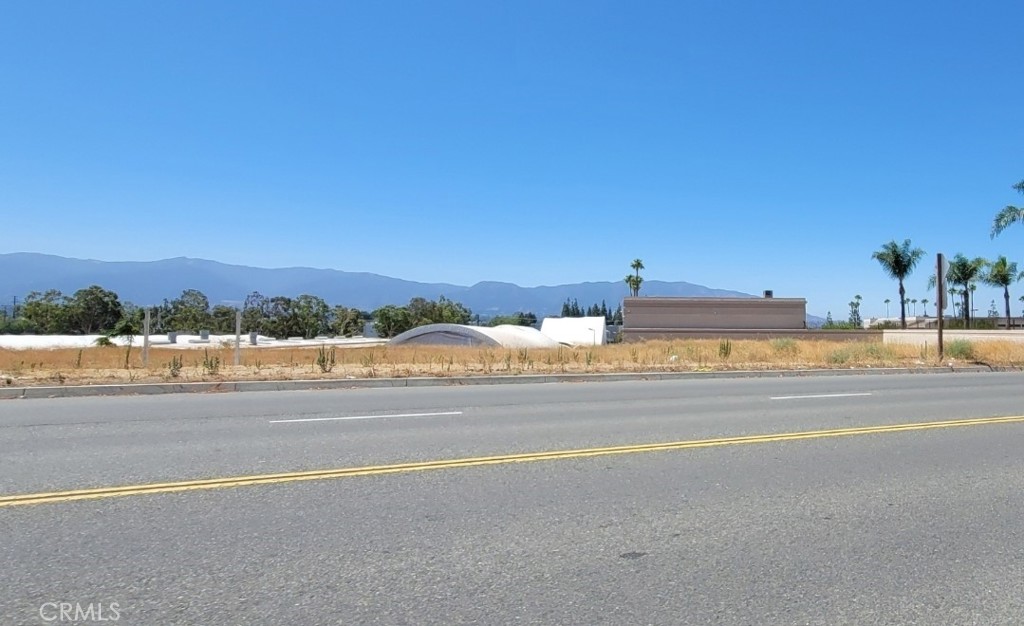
145 389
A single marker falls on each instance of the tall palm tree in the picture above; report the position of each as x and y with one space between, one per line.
963 272
1009 215
898 261
887 301
924 305
634 286
634 282
1002 273
637 265
913 302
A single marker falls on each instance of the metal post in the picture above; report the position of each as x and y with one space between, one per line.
238 337
145 339
940 301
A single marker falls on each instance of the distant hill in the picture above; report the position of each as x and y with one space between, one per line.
150 282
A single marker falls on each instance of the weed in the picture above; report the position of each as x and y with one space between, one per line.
724 348
104 341
878 351
174 367
326 359
590 357
211 365
78 361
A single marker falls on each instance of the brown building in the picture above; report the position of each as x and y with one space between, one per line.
664 317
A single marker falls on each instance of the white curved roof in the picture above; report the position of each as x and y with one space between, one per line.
575 331
505 336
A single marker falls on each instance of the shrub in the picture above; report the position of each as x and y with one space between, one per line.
785 345
840 357
724 348
211 363
960 349
174 367
325 359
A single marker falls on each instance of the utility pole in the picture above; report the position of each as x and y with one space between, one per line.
940 300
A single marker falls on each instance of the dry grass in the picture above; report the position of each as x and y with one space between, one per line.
98 365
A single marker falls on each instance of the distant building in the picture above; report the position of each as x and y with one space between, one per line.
664 317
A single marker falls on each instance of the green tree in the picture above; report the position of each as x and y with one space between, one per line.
898 261
1002 273
126 327
1009 215
48 311
517 319
634 283
222 319
255 312
189 312
346 322
312 315
571 308
94 309
281 321
391 320
855 318
637 265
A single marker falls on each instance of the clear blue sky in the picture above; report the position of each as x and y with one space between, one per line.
738 145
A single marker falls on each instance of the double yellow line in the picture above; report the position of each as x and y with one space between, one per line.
402 468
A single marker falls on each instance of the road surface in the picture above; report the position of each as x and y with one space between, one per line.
893 499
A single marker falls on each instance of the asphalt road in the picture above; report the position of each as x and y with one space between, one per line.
920 526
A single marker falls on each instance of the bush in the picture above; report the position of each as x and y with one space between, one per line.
785 345
960 349
840 357
17 326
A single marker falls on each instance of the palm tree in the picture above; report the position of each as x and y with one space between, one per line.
1009 215
924 305
914 303
634 282
963 271
1002 273
898 261
887 307
637 265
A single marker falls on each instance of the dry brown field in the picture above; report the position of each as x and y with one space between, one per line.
114 365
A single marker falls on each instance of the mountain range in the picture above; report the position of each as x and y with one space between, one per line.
150 282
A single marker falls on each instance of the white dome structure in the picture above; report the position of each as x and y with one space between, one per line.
504 336
576 331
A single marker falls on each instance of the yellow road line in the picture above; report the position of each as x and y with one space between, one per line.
401 468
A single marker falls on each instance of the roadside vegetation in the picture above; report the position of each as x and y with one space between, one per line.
109 365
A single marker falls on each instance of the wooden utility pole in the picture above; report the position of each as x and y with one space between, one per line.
145 339
238 337
940 300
